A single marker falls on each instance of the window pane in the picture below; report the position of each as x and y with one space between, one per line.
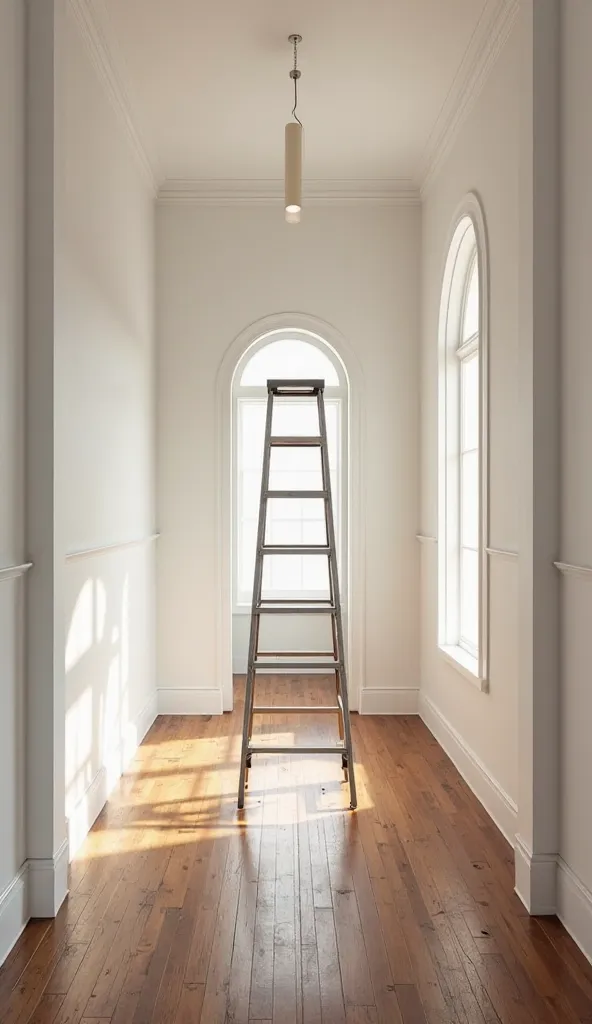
315 574
296 417
247 539
470 402
469 599
289 521
289 358
471 310
469 520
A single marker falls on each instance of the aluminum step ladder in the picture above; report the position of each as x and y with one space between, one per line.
305 389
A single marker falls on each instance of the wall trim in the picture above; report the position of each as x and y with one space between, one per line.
11 572
270 192
388 700
189 700
90 805
48 882
509 556
498 804
536 879
93 34
574 570
574 907
14 911
107 549
425 538
489 38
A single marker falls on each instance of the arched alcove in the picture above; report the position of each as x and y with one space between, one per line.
328 343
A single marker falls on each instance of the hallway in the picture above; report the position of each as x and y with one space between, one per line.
182 910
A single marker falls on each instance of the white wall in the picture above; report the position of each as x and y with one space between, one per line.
479 729
12 550
576 540
104 388
219 270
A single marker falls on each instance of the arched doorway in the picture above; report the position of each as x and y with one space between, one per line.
285 345
290 354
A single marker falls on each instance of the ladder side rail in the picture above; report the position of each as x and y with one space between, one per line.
256 600
326 473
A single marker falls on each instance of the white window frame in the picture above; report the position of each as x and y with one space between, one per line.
468 242
241 603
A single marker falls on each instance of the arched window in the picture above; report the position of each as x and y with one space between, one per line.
287 354
462 582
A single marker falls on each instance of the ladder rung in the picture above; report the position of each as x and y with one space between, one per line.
297 750
319 710
296 654
296 549
295 494
299 609
302 665
296 442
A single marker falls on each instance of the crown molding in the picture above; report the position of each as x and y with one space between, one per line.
270 192
100 54
487 42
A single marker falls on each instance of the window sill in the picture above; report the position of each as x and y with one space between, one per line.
464 663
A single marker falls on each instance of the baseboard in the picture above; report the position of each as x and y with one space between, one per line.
48 883
388 700
90 805
498 804
14 911
536 879
189 701
574 907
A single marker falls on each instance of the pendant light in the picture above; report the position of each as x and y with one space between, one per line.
293 161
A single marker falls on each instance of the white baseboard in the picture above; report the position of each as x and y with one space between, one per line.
536 879
48 883
189 700
574 907
498 804
388 700
14 911
90 805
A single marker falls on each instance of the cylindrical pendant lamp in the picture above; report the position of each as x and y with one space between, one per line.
293 172
293 154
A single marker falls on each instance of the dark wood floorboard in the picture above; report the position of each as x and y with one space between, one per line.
183 910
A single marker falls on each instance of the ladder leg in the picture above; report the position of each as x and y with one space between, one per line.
257 589
334 583
248 715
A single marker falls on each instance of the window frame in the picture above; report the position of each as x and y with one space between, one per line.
241 603
467 243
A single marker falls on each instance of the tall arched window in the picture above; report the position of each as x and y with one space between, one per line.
462 582
287 354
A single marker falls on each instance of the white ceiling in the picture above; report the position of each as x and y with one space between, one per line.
208 89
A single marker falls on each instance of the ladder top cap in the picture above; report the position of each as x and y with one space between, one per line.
290 385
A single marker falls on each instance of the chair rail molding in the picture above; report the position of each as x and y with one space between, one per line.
568 569
11 572
108 549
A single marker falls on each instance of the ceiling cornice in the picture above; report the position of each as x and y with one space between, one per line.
270 192
487 42
101 57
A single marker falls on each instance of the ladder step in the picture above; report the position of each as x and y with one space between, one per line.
296 549
301 665
341 749
295 386
321 709
296 442
296 494
296 609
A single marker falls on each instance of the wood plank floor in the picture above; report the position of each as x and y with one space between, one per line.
183 910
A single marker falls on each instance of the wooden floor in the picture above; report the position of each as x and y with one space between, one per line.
183 910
